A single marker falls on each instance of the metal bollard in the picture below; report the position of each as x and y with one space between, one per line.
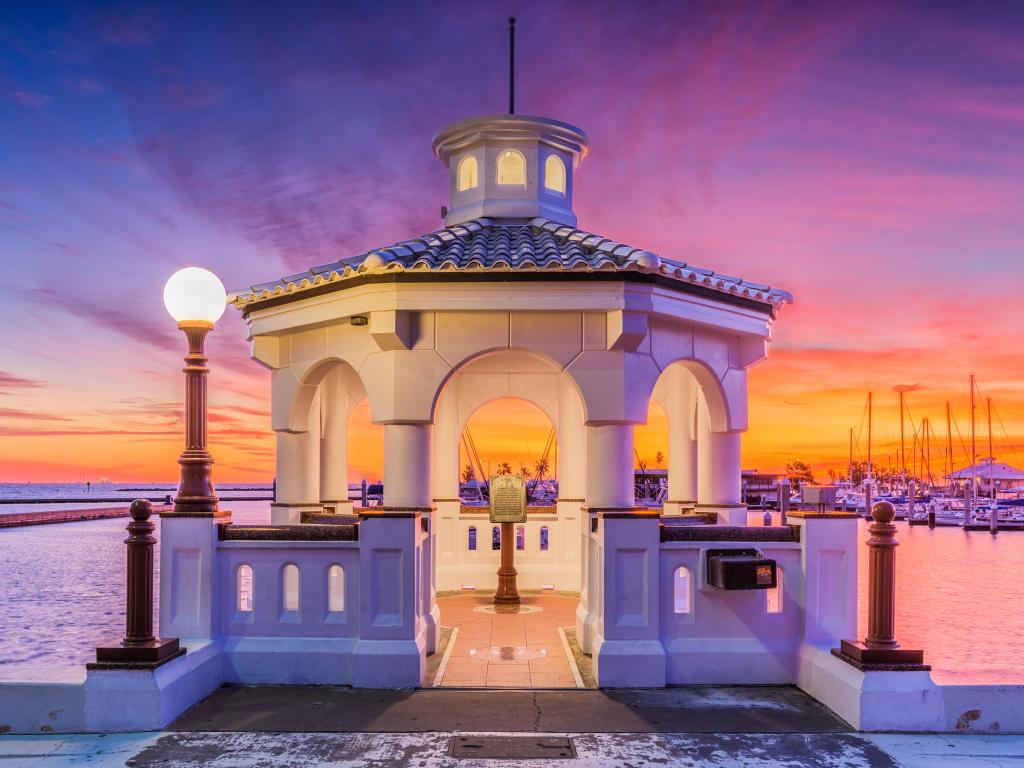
139 646
880 645
783 495
140 541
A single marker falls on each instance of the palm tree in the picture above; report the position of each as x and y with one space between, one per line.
542 466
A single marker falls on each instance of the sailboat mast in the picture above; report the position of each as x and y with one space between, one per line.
928 451
991 455
914 455
867 493
849 475
903 448
949 447
974 452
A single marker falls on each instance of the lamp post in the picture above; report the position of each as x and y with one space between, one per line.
196 299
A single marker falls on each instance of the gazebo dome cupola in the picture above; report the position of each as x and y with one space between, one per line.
511 167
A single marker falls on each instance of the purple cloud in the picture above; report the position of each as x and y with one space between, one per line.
111 316
31 99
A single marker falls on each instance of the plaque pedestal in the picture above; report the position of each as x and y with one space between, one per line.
508 592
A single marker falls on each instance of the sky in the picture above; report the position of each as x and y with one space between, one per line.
867 157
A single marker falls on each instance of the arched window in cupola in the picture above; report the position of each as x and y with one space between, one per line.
554 174
512 168
467 173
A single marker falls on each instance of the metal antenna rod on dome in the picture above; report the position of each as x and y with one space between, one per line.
511 65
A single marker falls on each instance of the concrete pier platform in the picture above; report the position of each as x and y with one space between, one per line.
433 750
696 709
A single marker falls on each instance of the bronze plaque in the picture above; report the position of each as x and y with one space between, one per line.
508 499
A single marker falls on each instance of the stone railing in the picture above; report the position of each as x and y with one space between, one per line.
338 600
289 602
650 616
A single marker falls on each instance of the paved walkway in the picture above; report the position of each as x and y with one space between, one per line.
508 647
432 750
698 709
694 727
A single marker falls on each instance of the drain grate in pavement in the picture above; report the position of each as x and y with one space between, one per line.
513 747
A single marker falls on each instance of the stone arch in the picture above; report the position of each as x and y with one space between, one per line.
723 413
467 364
308 385
456 564
311 413
482 378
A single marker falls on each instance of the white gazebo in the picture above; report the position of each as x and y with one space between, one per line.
509 298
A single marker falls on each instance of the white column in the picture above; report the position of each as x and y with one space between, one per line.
446 446
334 443
680 407
407 470
609 483
297 477
725 467
298 472
447 542
610 465
572 444
718 465
572 479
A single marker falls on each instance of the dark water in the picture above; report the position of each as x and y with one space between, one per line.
960 596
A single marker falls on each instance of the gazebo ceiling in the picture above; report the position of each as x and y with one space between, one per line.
509 249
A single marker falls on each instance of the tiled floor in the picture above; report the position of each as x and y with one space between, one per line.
508 650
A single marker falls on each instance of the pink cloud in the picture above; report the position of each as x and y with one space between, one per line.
10 381
31 99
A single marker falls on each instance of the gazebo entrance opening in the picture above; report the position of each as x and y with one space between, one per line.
500 415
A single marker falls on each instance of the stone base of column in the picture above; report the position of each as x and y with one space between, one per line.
871 659
629 663
282 513
728 514
389 663
678 508
585 621
337 507
432 625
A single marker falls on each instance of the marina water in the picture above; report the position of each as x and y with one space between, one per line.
958 594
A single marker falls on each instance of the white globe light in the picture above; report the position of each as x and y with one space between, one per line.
195 294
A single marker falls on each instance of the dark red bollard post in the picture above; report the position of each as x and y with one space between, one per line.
139 647
140 541
880 646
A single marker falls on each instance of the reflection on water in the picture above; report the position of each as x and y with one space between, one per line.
63 587
959 596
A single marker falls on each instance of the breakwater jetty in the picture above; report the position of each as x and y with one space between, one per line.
62 516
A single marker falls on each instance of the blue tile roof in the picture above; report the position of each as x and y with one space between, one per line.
494 245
